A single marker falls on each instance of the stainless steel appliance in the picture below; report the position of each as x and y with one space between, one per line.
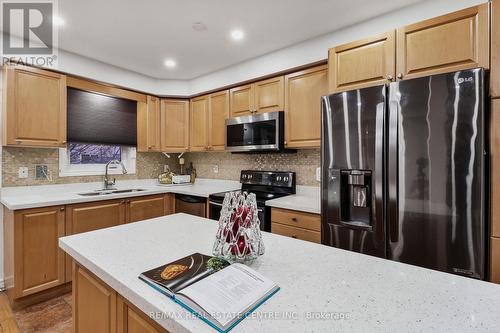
404 169
191 204
266 185
261 132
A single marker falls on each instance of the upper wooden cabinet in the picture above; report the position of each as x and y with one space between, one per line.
447 43
259 97
33 260
174 125
34 109
148 125
363 63
208 116
495 49
199 124
303 91
218 113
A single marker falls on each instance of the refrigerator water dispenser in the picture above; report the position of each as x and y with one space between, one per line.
355 198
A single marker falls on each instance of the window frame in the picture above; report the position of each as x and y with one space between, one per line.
66 169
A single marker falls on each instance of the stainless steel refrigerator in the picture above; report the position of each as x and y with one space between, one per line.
404 172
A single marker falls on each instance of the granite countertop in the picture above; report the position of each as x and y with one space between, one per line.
50 195
307 199
323 289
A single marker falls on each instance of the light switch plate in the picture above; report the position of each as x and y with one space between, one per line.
23 172
216 168
318 174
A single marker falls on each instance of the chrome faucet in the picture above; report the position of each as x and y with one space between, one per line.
110 185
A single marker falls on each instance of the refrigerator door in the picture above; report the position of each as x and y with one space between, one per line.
436 173
352 159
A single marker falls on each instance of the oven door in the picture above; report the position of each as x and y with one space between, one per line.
214 209
255 133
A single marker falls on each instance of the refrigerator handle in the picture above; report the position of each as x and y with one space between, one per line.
393 177
379 169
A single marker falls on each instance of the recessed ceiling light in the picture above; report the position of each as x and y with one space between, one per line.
170 63
57 20
237 34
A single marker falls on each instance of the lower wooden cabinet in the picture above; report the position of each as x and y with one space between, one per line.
495 260
97 308
144 208
295 224
32 259
94 304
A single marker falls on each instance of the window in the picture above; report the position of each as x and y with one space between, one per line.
90 159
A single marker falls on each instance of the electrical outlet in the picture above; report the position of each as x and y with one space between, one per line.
318 174
41 172
216 168
23 172
165 168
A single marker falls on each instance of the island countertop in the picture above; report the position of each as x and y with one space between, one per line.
323 289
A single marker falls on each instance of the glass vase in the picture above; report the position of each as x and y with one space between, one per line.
238 237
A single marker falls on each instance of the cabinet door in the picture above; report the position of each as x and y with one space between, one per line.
218 113
92 216
132 320
495 260
495 167
495 49
148 125
452 42
303 91
94 304
38 260
35 107
144 208
174 125
199 124
242 100
364 63
269 95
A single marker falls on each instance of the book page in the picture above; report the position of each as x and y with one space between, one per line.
230 292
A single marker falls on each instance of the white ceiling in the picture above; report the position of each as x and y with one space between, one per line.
139 35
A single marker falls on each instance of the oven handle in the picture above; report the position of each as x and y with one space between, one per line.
220 205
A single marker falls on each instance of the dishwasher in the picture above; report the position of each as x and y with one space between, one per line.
191 204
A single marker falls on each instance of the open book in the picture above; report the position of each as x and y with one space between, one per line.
219 293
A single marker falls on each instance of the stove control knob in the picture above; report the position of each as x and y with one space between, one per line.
243 176
250 176
285 178
278 178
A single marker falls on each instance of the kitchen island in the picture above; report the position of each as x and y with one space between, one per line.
323 289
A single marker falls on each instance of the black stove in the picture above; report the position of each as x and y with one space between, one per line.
266 185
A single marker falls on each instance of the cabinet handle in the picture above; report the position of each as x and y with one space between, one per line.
294 219
400 76
61 209
122 202
294 236
390 77
150 147
18 142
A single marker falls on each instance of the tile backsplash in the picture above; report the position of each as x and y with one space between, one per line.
149 165
303 163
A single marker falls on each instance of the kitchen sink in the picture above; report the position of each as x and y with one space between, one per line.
107 192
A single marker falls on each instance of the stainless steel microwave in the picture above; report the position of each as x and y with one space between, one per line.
261 132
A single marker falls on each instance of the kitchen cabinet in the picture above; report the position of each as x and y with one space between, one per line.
33 261
92 216
208 116
303 91
259 97
495 260
143 208
94 303
495 49
447 43
174 125
295 224
148 125
133 320
363 63
495 167
34 108
218 113
199 124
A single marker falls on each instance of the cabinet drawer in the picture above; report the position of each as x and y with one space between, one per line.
296 219
495 260
298 233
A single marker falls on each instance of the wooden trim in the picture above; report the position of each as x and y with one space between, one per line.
42 296
104 89
495 49
482 42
